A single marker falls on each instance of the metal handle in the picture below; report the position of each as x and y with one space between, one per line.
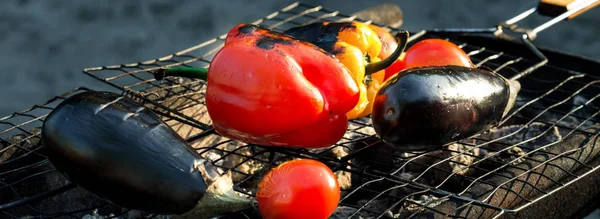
555 8
559 9
509 30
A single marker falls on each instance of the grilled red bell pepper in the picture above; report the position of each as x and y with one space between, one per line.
267 88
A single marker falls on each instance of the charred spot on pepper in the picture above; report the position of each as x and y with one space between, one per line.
269 42
320 31
330 46
247 28
322 34
265 44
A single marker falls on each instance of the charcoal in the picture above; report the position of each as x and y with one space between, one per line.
17 149
248 162
387 208
337 152
371 152
94 215
7 149
461 157
344 212
511 156
244 163
579 112
429 201
455 158
532 178
380 206
445 166
344 179
454 167
132 214
536 134
513 142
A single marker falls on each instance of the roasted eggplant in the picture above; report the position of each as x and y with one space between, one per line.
425 108
125 154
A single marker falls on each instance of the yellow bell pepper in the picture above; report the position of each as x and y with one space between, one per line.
359 47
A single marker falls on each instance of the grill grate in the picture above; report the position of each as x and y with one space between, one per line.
546 142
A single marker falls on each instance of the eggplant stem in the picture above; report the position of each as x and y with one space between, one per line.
514 89
220 198
402 38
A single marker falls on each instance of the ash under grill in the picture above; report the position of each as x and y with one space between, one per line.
547 141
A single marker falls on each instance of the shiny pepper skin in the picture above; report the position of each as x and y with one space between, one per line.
270 89
356 45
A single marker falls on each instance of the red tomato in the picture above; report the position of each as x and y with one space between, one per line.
436 52
302 188
394 68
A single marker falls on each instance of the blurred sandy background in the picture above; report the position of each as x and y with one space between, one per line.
44 45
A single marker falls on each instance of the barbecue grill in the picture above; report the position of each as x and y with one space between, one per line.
546 143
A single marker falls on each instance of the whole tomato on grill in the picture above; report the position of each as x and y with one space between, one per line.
302 188
435 52
395 68
430 52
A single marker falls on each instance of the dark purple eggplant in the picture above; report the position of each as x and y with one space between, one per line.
426 108
125 154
